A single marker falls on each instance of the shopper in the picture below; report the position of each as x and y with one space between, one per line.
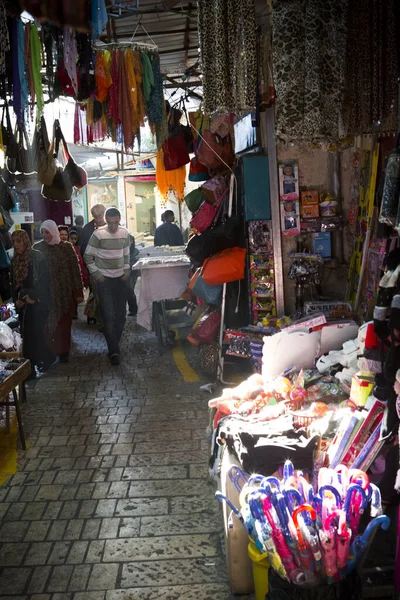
97 211
168 234
64 233
73 239
66 288
30 289
107 258
78 227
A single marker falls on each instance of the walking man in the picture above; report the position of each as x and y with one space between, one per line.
107 259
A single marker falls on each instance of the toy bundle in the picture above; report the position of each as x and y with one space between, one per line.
310 537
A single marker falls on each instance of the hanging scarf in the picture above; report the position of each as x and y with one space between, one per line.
103 77
156 100
16 100
36 53
99 17
113 95
125 105
138 120
20 262
130 71
28 65
23 81
170 181
148 76
71 56
4 38
52 228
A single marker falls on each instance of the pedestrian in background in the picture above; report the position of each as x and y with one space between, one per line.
168 234
97 211
107 259
73 239
66 288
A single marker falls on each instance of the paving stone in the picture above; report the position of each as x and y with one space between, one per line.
103 577
59 579
136 508
79 578
37 531
139 473
77 553
90 596
201 504
57 530
169 572
118 489
34 511
73 529
59 553
13 580
13 531
178 592
87 509
38 553
168 459
14 512
95 552
49 492
157 548
178 524
91 529
69 509
12 554
105 508
38 580
52 511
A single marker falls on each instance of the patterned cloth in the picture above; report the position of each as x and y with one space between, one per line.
309 45
227 32
20 262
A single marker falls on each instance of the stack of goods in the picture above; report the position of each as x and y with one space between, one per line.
311 535
247 342
262 282
10 341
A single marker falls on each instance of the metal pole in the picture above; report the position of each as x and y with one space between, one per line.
334 188
269 144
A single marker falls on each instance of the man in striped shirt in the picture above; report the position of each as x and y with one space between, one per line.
107 259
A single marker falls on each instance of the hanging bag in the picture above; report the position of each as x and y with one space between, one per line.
206 330
224 267
204 217
197 171
214 190
215 152
9 141
175 153
194 199
60 189
209 293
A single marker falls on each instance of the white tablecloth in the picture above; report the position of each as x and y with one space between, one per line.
162 281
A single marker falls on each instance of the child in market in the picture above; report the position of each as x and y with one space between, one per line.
73 239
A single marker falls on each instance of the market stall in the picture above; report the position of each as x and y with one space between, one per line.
311 406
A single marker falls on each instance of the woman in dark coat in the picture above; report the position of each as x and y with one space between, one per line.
30 288
66 288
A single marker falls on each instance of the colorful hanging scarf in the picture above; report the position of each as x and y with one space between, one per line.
20 262
4 38
130 70
99 17
138 119
103 77
155 102
170 181
23 80
36 53
125 105
16 99
28 65
148 76
113 94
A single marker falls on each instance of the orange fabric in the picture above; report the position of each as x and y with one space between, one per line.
130 69
224 267
170 180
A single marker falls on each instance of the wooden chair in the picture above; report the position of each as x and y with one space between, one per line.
8 387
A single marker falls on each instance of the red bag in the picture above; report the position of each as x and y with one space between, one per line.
204 217
225 266
205 332
215 152
175 153
197 172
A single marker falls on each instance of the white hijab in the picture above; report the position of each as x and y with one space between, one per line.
51 226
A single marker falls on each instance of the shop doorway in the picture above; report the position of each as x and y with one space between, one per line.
140 209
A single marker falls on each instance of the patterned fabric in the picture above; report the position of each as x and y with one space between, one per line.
227 32
65 280
4 38
309 42
71 56
373 63
107 254
20 262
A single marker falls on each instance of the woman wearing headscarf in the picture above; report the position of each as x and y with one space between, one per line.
66 288
30 288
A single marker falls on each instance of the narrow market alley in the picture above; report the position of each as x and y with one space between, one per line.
112 499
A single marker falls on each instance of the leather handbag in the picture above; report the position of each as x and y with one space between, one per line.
224 235
175 153
209 293
206 330
224 267
214 189
215 152
194 199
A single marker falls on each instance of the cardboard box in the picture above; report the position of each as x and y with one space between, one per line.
322 244
309 204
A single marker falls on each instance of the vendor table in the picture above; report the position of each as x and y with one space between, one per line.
9 386
162 278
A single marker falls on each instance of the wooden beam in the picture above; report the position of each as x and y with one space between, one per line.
184 85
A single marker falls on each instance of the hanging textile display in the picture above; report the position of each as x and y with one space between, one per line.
228 49
170 181
309 42
372 65
63 12
4 38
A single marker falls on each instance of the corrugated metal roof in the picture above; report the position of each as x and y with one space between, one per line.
174 30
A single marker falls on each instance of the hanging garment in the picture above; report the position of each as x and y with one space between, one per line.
85 67
71 56
4 38
28 66
309 42
138 120
23 80
36 53
170 181
16 97
227 32
148 76
130 70
103 77
265 72
372 65
48 44
125 105
113 94
156 104
99 17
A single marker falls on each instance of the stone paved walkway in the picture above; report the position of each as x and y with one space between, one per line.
112 499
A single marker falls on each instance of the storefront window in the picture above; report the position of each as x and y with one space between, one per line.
102 192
